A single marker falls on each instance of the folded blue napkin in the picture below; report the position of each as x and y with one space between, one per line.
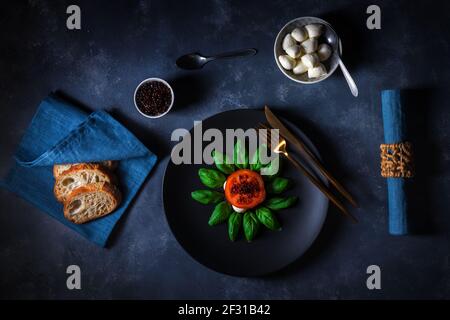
61 133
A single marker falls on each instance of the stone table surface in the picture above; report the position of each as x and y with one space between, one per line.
124 42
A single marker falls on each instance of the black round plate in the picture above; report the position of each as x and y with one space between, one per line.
269 251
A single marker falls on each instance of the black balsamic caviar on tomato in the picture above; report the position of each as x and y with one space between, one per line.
245 189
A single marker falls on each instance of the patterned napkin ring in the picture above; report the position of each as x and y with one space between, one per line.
397 160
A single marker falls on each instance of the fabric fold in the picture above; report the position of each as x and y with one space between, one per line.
78 145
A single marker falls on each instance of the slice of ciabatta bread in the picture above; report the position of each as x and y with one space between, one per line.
91 201
79 175
59 169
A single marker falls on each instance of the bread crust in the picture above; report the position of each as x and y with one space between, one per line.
58 169
105 187
110 177
61 169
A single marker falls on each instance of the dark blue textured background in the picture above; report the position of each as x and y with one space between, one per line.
123 42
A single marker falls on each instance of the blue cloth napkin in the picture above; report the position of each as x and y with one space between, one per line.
394 132
61 133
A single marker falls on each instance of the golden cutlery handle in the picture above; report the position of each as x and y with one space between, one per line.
317 183
328 175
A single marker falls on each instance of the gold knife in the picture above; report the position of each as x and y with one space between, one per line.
277 124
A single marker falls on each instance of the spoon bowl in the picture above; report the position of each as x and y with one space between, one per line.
191 61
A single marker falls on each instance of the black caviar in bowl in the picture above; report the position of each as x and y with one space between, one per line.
153 97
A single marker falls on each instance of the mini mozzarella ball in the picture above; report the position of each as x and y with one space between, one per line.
239 210
288 41
294 51
300 68
324 51
317 72
299 34
310 45
314 30
287 62
310 60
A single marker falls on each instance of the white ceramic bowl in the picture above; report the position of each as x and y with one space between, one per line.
331 64
152 80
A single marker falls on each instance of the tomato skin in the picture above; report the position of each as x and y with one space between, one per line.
245 189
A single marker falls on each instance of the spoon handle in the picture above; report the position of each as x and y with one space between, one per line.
237 53
351 83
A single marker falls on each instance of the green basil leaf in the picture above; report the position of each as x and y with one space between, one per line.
240 156
278 203
251 225
278 185
234 224
223 162
211 178
255 163
220 214
267 218
207 196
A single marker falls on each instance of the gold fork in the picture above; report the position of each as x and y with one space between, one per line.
281 148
